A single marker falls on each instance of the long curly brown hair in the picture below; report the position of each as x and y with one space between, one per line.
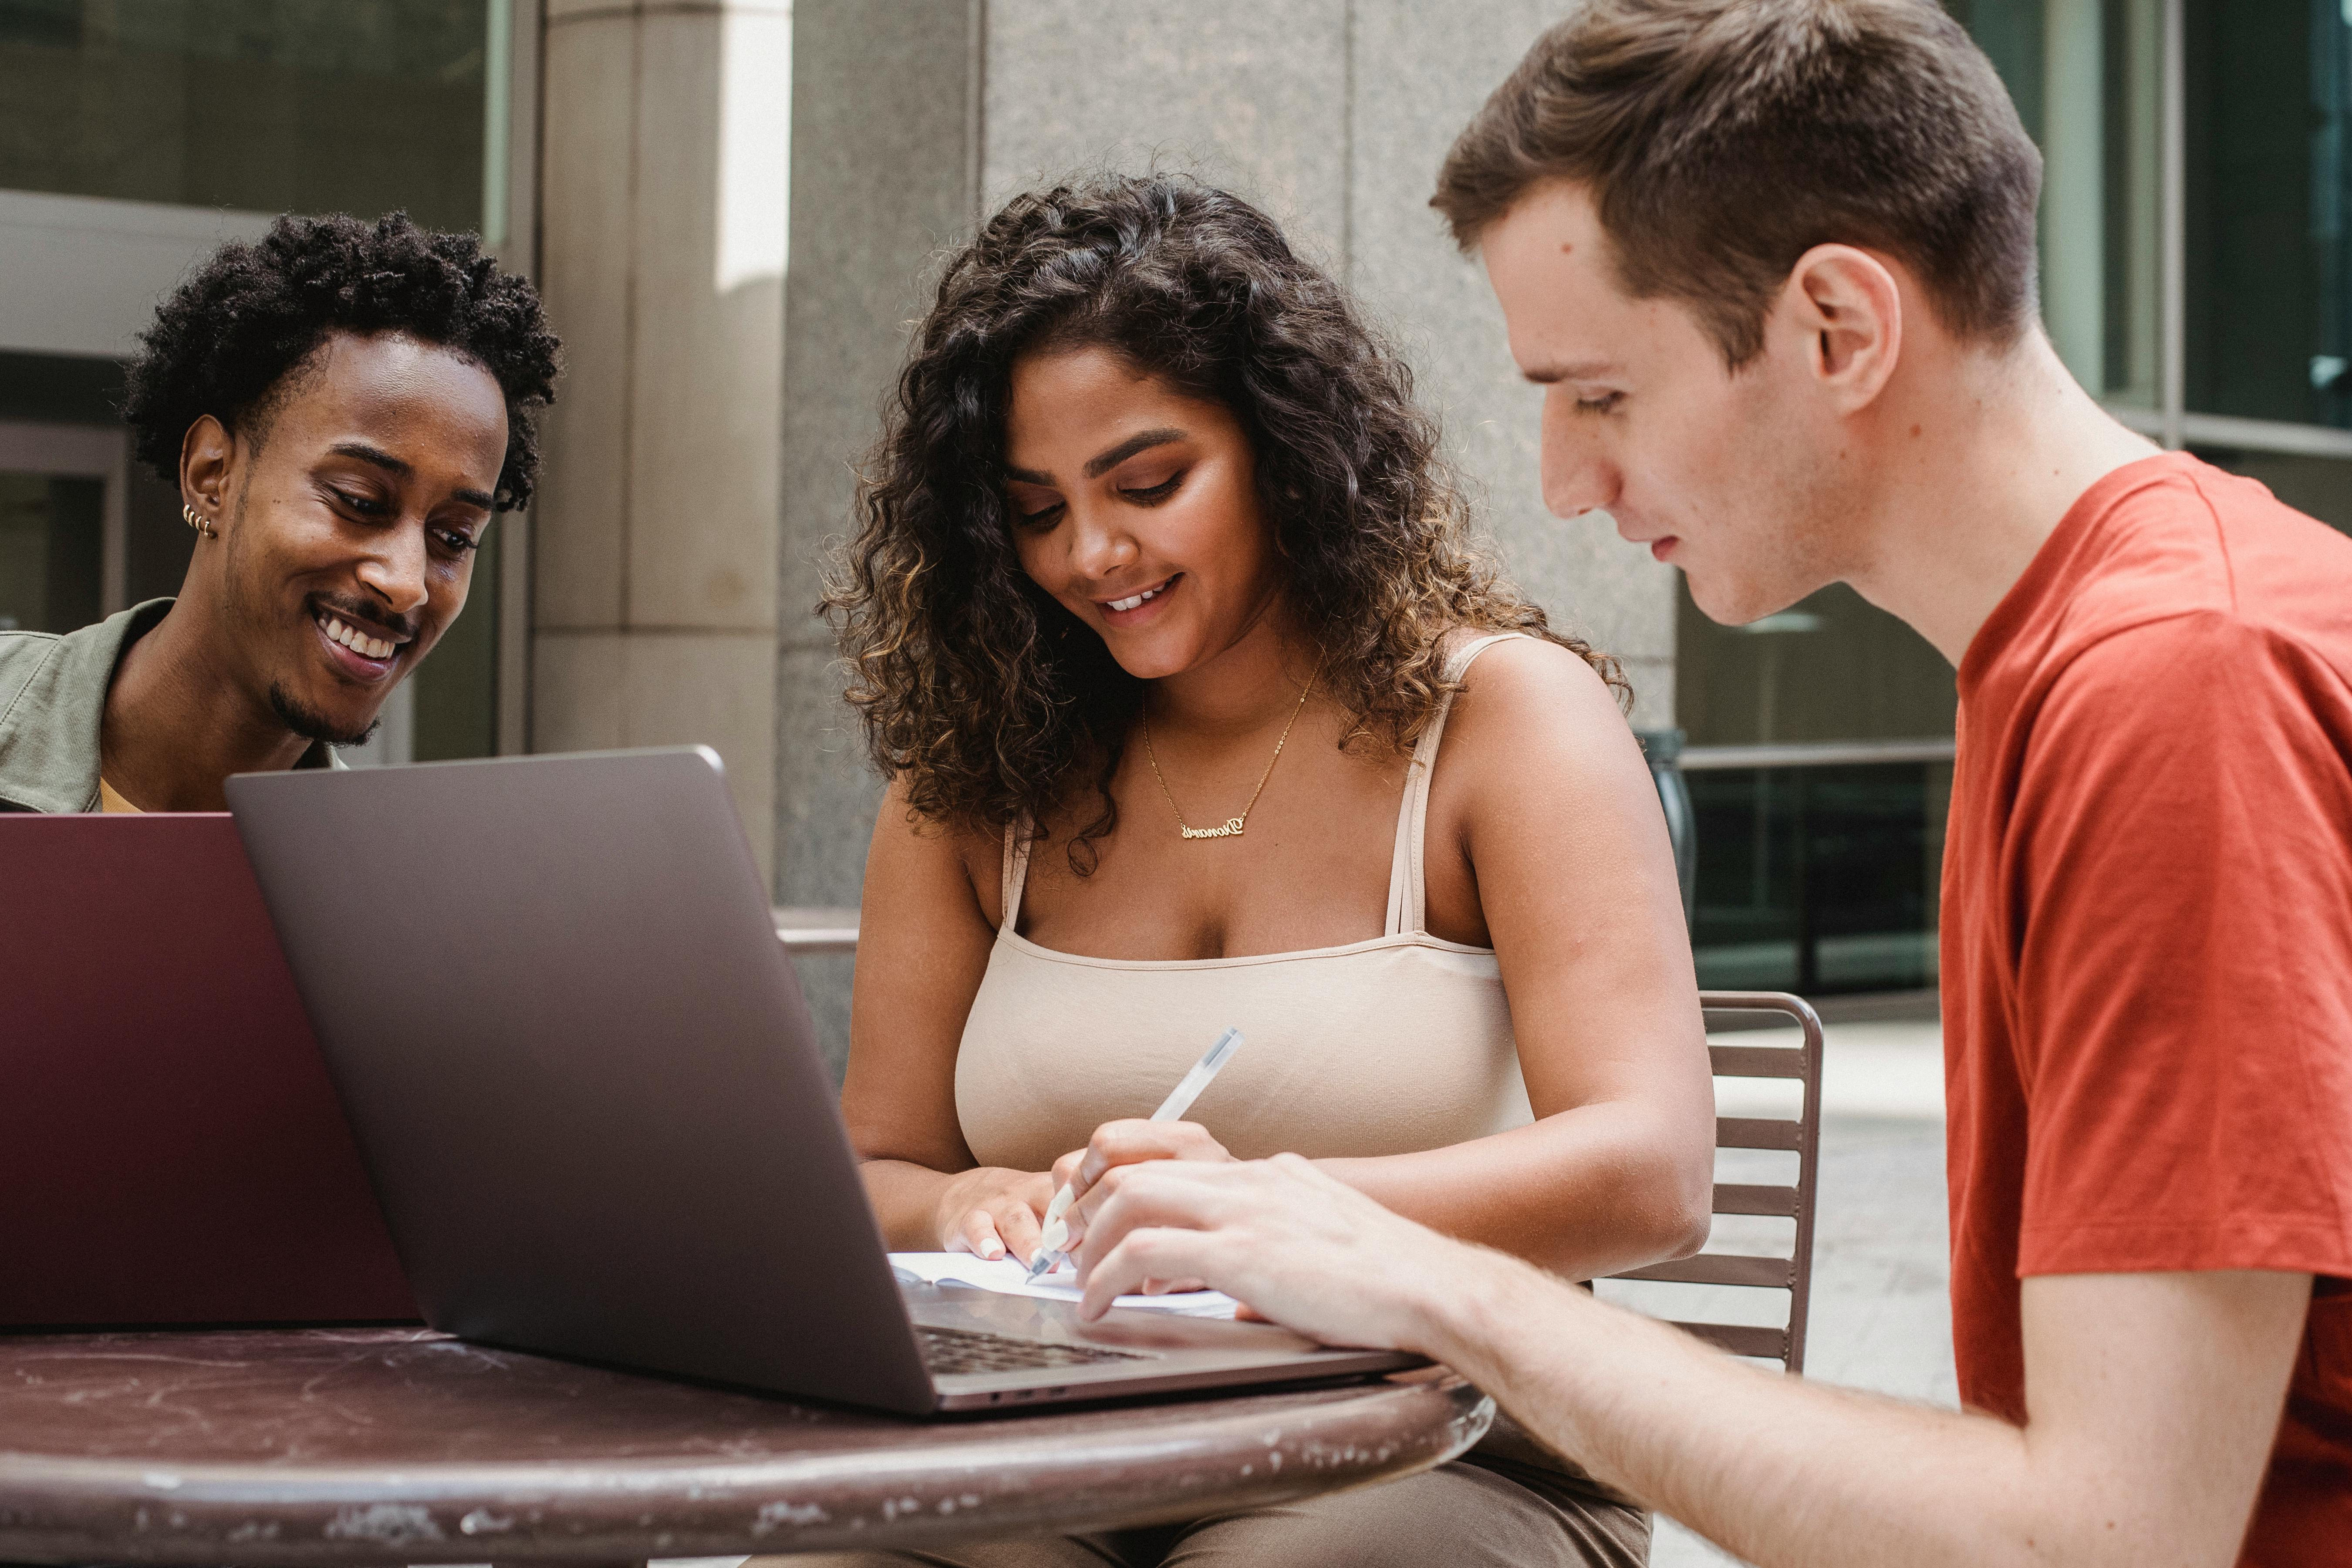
991 700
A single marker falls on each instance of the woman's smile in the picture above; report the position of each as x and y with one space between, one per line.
1142 605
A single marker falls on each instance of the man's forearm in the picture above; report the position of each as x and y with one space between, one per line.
2155 1398
1584 1193
1774 1468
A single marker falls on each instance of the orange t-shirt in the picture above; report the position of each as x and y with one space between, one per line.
2147 939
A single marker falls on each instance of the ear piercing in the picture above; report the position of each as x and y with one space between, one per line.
202 525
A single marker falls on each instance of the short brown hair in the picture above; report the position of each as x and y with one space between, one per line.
1723 139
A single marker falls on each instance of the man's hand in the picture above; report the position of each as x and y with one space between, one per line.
2153 1398
1300 1248
1131 1141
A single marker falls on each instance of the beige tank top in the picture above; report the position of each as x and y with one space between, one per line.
1389 1046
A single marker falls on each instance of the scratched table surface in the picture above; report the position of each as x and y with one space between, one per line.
402 1446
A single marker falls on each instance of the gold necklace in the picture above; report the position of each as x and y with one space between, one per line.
1233 825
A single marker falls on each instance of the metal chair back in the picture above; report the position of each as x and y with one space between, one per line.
1794 1272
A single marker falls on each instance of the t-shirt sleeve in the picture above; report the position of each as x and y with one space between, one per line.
2181 899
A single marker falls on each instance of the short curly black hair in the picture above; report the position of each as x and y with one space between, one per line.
225 342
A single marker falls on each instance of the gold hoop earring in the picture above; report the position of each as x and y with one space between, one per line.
202 525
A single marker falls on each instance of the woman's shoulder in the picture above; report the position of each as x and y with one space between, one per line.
1533 728
899 817
1511 670
1526 698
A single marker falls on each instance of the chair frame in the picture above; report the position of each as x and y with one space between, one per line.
1793 1273
814 932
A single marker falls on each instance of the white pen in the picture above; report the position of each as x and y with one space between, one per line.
1179 1100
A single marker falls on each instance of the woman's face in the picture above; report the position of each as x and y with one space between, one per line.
1136 506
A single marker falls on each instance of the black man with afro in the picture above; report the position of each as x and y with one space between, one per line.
344 408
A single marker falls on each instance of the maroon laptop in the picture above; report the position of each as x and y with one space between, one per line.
171 1151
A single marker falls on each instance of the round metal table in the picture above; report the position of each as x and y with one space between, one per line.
402 1445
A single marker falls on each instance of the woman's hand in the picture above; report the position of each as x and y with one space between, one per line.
1121 1144
989 1210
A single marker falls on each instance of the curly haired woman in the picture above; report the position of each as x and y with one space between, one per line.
1200 707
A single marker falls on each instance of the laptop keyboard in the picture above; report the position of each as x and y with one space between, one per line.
960 1350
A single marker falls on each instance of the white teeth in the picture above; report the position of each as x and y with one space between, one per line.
1144 597
359 642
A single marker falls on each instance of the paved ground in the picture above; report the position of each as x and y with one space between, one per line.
1880 1316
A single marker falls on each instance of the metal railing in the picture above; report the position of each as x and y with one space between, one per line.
1816 755
808 932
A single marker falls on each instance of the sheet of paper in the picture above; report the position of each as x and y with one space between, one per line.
1007 1276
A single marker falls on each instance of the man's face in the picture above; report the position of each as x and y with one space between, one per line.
349 534
1734 477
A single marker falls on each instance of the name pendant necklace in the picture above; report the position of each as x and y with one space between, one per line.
1233 825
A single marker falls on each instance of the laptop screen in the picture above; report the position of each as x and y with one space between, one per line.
171 1149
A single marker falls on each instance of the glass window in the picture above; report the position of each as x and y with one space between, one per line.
2085 76
1811 878
357 106
50 552
1833 668
1818 879
2267 100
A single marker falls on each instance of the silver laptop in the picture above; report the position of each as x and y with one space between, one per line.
585 1086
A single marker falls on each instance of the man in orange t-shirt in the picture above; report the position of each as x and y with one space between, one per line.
1773 262
2147 939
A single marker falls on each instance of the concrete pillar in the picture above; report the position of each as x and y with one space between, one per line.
883 179
665 188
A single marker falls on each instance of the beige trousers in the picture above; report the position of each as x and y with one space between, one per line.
1484 1515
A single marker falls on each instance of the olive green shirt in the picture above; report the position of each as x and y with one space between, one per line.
53 707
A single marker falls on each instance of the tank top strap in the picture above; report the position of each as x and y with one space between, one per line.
1018 837
1408 888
